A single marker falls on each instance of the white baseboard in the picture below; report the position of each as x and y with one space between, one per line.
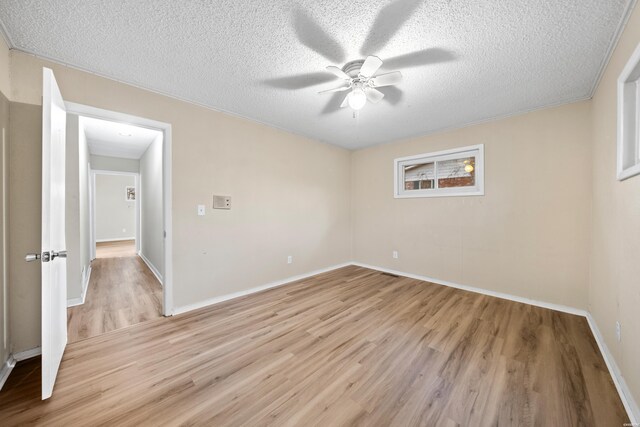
83 295
152 267
216 300
623 390
116 239
625 394
543 304
27 354
11 361
6 369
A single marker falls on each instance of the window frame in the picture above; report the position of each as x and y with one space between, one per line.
477 151
628 119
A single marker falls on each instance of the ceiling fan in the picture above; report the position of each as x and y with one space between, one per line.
361 80
360 76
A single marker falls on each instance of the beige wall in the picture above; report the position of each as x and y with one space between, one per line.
528 236
116 164
25 207
296 201
151 206
614 286
5 340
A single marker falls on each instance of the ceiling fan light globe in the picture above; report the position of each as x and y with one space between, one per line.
357 99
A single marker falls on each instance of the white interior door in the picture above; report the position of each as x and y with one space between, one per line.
54 268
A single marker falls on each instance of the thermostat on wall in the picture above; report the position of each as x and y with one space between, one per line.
221 202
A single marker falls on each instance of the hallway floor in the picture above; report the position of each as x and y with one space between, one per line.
122 292
119 248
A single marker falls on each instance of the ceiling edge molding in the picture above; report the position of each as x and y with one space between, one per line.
158 92
612 46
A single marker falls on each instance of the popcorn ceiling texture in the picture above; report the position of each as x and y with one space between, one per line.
490 58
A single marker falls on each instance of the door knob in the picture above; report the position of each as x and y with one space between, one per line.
32 257
61 254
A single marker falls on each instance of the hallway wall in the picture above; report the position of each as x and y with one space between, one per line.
116 164
151 207
115 217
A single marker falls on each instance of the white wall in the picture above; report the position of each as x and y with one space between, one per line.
151 207
115 217
116 164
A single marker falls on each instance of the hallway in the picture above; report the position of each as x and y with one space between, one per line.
122 292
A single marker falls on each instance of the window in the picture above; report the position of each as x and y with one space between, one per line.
629 118
458 172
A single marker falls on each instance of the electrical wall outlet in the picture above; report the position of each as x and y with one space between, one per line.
395 254
124 230
290 259
201 210
618 331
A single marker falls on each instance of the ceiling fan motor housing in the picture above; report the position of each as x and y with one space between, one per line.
353 68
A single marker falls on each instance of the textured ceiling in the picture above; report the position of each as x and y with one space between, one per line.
462 61
106 138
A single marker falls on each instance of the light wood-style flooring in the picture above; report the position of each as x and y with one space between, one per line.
122 292
118 248
348 347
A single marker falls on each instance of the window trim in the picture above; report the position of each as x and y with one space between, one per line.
626 82
477 190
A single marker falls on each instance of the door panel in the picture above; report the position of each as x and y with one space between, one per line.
54 280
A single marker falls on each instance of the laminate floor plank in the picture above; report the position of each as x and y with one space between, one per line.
349 347
122 291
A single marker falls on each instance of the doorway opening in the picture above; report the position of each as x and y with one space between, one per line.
121 274
114 209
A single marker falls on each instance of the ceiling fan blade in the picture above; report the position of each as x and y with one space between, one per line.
311 35
370 66
345 101
373 95
338 72
388 22
298 81
337 89
388 79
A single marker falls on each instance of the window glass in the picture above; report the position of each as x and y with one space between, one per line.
420 176
457 172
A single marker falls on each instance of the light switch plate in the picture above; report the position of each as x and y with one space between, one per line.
201 210
221 202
